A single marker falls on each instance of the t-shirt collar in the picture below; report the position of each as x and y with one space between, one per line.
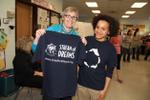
63 30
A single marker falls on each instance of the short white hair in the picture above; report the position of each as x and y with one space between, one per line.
70 9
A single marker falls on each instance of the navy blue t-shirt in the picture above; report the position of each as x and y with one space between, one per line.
59 54
99 64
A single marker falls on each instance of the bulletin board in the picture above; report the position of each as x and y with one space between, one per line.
43 18
3 43
130 26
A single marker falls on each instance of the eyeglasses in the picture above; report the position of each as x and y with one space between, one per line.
70 17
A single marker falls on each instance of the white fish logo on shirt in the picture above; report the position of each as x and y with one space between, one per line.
51 50
96 53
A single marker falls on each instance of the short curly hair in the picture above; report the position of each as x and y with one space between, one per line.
113 23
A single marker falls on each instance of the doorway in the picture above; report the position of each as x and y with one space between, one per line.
23 20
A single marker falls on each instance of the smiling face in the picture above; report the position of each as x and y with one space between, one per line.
101 30
69 19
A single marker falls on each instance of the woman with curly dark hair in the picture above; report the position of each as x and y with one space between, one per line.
96 71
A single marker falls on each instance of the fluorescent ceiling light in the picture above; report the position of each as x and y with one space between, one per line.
91 4
130 12
125 16
96 11
138 4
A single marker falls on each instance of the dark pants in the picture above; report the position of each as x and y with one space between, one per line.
33 81
126 54
118 61
147 54
135 53
51 98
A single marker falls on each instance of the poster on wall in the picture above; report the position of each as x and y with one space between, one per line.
2 60
3 43
43 18
54 18
126 27
43 3
7 33
141 27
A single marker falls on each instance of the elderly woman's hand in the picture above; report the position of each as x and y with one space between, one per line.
38 34
37 73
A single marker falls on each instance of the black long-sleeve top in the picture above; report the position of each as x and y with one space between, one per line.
24 68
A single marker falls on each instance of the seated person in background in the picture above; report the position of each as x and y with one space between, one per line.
26 72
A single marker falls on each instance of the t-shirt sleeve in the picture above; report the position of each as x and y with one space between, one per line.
81 53
112 62
38 52
55 28
34 47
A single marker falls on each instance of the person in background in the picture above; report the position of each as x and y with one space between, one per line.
116 41
26 72
126 46
147 52
136 44
69 17
96 71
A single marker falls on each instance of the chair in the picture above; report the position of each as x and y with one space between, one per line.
29 85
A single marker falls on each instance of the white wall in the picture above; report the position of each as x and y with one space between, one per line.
6 5
84 28
138 22
57 4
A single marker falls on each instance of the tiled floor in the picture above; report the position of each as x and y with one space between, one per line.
135 86
136 82
25 94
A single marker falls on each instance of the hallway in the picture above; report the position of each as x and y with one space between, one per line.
135 86
136 82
